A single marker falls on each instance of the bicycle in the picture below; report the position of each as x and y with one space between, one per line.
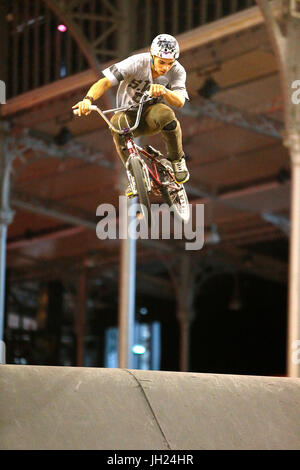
147 169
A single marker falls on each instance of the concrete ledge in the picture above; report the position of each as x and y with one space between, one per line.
89 408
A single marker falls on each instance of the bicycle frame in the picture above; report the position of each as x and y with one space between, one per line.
132 147
134 150
154 171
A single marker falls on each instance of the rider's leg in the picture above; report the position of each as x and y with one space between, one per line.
156 118
121 120
170 129
161 118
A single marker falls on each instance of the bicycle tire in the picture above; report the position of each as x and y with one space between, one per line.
142 191
178 202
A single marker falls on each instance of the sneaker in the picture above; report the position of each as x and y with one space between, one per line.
182 174
128 192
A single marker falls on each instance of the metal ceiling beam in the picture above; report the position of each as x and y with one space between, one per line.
57 234
76 216
257 264
283 223
58 269
234 116
69 13
80 218
53 209
227 199
44 145
229 258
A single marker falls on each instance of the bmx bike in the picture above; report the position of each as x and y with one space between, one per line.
148 171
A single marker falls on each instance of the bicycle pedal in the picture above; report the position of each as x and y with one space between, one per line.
166 163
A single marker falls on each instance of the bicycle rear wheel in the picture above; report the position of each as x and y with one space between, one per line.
142 191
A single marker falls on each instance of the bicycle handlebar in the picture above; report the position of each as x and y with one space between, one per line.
143 100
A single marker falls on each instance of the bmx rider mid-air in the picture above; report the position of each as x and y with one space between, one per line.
159 72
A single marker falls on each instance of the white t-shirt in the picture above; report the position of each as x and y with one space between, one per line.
134 77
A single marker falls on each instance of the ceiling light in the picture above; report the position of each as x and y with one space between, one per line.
138 349
62 28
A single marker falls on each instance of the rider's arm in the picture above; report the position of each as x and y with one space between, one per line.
95 92
174 98
99 88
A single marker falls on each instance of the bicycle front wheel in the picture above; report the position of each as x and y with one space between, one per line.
142 191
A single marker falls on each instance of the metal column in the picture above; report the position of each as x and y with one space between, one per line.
128 244
292 141
293 340
127 292
285 38
6 216
81 315
184 288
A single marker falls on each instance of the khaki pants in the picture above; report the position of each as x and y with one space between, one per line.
153 120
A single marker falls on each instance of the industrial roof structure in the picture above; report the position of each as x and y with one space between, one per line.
64 167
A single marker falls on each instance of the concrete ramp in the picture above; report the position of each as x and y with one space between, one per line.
117 409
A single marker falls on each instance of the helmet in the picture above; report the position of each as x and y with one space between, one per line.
165 46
